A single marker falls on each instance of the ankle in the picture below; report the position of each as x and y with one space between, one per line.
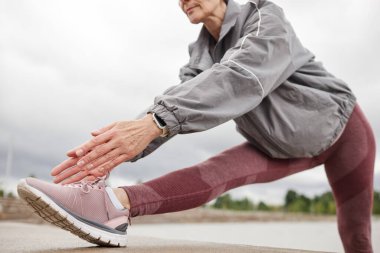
122 196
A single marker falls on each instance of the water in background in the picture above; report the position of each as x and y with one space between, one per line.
319 235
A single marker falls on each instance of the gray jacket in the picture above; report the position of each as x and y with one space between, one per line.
259 75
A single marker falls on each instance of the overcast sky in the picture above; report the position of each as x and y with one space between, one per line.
69 67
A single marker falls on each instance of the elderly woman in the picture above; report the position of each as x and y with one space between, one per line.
247 65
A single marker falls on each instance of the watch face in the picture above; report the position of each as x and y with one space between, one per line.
159 120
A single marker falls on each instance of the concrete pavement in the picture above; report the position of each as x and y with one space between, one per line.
23 237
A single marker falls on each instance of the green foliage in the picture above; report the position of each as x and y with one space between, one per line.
294 202
226 202
263 207
3 193
323 204
290 198
300 204
376 203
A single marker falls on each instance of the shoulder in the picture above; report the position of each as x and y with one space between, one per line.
252 7
264 18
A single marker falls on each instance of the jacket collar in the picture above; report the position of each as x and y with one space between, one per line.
232 12
200 57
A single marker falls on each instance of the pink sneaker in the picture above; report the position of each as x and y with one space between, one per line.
83 208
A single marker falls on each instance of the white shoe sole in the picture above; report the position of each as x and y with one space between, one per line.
47 209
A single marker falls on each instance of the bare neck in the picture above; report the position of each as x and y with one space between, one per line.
214 22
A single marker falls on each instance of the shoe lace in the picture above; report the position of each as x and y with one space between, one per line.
86 185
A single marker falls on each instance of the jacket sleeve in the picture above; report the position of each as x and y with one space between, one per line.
185 74
258 63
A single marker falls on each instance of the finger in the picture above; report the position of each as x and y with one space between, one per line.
72 153
108 166
90 178
103 129
112 154
66 174
63 166
95 154
77 177
99 171
87 146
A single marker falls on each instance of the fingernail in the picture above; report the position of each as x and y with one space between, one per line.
101 169
80 163
79 152
90 166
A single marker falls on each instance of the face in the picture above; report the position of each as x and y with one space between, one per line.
199 10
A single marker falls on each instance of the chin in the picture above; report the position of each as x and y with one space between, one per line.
194 19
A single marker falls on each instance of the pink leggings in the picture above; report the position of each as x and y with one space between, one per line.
349 166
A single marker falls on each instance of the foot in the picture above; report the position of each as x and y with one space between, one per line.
86 209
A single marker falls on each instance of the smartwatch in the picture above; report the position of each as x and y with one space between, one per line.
160 124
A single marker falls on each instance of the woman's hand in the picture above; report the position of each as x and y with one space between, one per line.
109 147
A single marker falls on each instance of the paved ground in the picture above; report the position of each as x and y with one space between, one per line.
22 237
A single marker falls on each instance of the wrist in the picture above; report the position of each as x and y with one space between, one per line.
153 128
160 124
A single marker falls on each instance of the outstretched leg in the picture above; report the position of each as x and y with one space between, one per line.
196 185
350 169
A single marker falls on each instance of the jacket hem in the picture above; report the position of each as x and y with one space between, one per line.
274 150
346 114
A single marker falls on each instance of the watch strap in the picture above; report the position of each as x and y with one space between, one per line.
160 124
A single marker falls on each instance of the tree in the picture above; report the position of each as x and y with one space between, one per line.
324 204
223 202
300 204
290 197
226 202
263 207
376 203
244 204
10 195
